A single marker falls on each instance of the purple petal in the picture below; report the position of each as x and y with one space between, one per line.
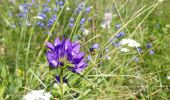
57 42
50 46
76 48
66 44
52 59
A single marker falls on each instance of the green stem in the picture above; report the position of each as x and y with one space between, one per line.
61 84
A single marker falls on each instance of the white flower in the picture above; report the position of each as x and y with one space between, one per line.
37 95
129 42
68 8
107 20
124 50
168 77
38 17
86 32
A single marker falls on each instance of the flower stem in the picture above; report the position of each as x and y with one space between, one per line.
61 83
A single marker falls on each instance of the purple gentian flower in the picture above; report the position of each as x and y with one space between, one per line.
66 54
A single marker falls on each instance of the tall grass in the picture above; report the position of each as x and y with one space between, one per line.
132 75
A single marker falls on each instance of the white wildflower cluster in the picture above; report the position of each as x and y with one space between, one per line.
86 32
37 95
124 50
168 77
107 20
128 42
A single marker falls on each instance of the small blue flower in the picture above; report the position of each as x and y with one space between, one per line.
120 34
95 46
71 25
89 58
71 19
116 44
48 0
80 7
151 52
46 9
88 9
118 26
136 59
42 15
82 21
40 24
55 9
149 45
139 50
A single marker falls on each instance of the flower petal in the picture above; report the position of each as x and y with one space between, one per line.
57 42
50 46
52 59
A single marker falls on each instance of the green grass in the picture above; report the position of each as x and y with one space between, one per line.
23 64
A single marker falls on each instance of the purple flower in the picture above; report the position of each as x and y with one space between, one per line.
118 26
80 7
149 45
66 54
46 9
42 16
116 44
71 24
82 21
151 52
71 19
95 46
139 50
40 24
58 79
88 9
120 34
88 58
51 21
48 0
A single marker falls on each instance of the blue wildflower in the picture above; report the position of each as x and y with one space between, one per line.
46 9
118 26
139 49
88 9
151 52
82 21
149 45
88 58
120 34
